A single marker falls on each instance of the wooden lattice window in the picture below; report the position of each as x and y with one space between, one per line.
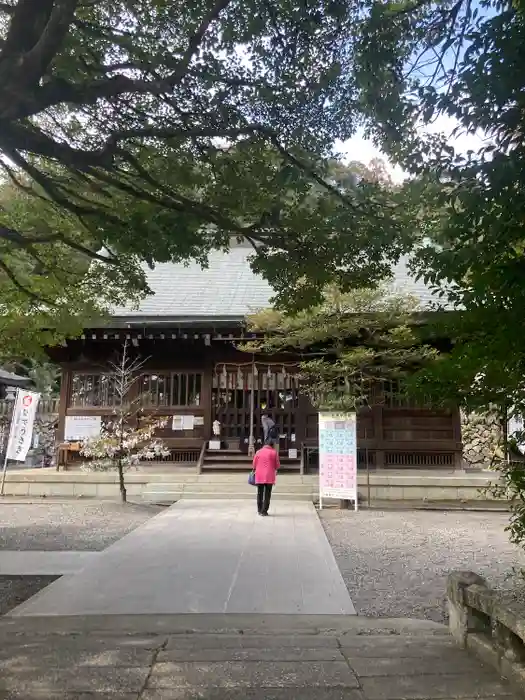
171 389
92 390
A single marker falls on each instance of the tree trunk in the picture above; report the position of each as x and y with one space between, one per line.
123 492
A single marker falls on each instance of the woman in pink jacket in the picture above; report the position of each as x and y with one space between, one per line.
265 463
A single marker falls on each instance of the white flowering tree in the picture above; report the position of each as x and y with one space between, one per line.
128 436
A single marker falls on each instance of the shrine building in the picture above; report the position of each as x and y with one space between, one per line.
187 331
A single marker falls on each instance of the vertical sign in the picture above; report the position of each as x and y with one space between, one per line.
21 430
337 457
21 433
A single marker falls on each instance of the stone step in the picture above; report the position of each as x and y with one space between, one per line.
209 478
239 457
211 486
172 496
238 657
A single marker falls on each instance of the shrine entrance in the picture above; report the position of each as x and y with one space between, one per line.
241 393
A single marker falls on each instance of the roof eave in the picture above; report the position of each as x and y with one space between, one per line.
173 321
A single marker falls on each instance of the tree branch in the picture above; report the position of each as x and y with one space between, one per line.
311 172
28 21
171 133
57 91
196 41
22 288
37 60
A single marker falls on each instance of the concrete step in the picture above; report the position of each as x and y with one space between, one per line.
224 456
225 485
172 496
235 479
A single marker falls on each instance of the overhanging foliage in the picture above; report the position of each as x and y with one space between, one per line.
350 345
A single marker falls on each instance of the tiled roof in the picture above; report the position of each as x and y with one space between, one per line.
10 378
226 289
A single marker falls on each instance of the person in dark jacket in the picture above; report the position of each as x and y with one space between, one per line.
267 423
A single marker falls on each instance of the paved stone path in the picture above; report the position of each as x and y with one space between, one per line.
236 657
207 557
43 563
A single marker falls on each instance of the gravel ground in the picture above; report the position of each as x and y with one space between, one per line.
395 563
48 526
14 590
78 525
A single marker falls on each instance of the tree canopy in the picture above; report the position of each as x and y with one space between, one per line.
48 293
167 128
461 61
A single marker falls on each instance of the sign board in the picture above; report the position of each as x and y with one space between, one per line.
81 428
337 457
22 421
292 454
182 423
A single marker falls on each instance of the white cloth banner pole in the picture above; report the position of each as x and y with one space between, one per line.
8 444
4 472
21 429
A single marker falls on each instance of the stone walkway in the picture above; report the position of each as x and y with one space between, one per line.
236 657
43 563
207 557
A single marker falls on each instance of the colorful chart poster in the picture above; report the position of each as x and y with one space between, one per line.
337 457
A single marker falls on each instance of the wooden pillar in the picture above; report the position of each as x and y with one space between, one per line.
206 398
456 429
63 404
377 422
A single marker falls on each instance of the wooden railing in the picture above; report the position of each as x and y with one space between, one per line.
46 407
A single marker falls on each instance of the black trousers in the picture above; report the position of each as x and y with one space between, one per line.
264 495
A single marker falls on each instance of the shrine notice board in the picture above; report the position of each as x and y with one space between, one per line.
337 457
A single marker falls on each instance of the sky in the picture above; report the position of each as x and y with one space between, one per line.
360 149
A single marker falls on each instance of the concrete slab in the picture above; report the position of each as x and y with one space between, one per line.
253 674
208 557
89 658
437 687
43 563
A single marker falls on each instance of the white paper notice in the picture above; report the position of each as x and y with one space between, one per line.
80 428
188 422
178 423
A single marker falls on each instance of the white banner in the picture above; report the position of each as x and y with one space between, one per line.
337 457
22 421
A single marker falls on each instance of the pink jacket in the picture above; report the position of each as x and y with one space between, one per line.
266 463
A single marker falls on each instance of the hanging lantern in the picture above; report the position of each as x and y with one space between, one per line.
255 371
